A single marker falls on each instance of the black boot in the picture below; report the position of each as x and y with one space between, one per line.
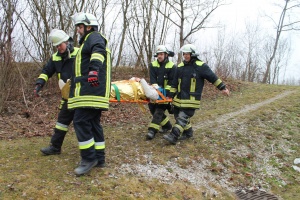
51 150
186 135
85 166
150 135
171 138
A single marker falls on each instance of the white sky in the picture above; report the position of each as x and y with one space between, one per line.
238 12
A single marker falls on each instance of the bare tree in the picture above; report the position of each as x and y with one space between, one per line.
281 26
190 16
8 21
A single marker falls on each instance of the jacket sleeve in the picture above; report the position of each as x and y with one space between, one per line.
174 84
47 72
153 76
98 51
209 75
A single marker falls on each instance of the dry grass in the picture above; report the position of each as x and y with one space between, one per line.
252 149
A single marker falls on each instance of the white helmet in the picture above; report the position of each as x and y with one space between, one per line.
58 36
85 18
189 48
161 49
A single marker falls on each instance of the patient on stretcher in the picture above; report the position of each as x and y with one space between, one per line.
135 89
132 90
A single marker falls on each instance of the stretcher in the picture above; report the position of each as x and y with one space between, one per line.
127 91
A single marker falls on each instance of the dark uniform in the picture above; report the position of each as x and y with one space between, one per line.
88 102
161 74
61 64
188 85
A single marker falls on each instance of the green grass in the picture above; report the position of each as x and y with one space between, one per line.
254 148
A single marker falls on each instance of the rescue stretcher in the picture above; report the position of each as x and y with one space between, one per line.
131 91
127 91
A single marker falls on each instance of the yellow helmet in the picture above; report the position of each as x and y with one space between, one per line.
58 36
85 18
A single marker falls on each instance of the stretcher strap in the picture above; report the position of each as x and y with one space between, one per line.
118 97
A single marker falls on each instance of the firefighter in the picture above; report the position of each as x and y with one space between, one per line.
187 89
162 71
90 89
60 63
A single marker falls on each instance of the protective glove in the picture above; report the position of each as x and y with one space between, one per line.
93 78
37 89
170 108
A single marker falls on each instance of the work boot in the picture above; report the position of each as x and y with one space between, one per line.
170 138
150 135
85 166
100 164
165 130
185 136
51 150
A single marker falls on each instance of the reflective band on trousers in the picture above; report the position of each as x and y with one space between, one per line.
99 145
61 126
86 144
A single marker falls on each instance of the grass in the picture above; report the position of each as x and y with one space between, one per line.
252 149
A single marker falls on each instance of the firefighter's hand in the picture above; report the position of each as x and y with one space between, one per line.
93 78
37 89
226 92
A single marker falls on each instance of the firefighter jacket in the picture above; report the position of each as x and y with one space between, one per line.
189 81
61 64
162 73
93 55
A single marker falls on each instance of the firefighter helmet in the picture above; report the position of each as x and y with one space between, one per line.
189 48
58 36
85 18
161 49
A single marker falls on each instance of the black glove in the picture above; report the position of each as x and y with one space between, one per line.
93 78
170 108
170 94
37 89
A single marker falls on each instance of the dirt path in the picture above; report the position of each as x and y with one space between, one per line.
197 173
244 110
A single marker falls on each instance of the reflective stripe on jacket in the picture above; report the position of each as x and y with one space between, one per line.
189 82
61 66
93 55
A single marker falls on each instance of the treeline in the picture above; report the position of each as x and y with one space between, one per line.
135 27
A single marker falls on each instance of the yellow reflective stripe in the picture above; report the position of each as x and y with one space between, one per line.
193 87
58 76
169 64
186 103
217 82
181 64
55 57
108 71
155 64
61 126
77 89
179 83
99 145
78 62
179 127
97 56
173 90
86 144
187 126
43 76
155 126
199 63
89 98
164 121
74 53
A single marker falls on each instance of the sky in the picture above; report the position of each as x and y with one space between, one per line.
239 11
